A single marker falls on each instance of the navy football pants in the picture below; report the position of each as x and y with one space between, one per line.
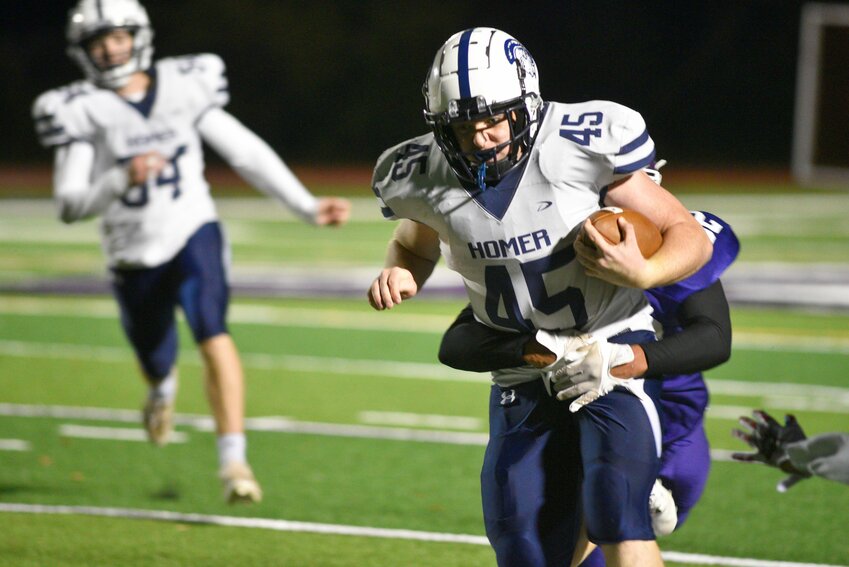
195 279
546 469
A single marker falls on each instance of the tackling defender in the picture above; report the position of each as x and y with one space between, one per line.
696 326
500 188
127 146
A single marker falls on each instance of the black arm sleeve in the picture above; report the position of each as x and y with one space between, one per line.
471 345
704 342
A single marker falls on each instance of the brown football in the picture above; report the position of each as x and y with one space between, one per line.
649 238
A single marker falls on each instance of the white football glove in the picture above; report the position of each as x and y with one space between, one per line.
588 377
565 347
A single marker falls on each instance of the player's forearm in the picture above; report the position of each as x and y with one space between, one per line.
78 196
256 162
704 341
415 247
397 255
685 249
472 346
825 455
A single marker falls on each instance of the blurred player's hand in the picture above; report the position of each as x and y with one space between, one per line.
769 439
332 211
145 166
621 264
587 376
391 287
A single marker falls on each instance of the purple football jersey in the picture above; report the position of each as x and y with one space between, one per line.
684 397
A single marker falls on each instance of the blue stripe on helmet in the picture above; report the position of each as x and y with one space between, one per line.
463 64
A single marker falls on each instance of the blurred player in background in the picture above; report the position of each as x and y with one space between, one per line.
786 447
127 143
696 325
500 188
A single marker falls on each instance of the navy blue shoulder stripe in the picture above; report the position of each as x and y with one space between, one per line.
631 146
384 210
634 166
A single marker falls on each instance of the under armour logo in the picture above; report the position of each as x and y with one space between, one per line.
543 205
508 397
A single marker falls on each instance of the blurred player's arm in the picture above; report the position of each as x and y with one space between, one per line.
411 256
77 195
825 455
685 246
786 447
254 160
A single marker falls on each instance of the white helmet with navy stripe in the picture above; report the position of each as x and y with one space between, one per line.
90 18
477 73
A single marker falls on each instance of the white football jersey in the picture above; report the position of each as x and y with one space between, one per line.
152 221
512 244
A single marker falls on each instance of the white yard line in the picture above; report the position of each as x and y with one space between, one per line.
14 445
114 433
295 363
266 424
779 341
354 531
244 313
420 420
270 424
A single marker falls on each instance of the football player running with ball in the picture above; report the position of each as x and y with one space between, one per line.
127 143
500 187
696 323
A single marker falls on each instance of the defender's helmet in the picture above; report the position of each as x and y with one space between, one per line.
477 73
90 18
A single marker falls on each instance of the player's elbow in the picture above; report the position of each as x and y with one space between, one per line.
68 210
67 214
698 246
724 351
451 354
716 342
705 250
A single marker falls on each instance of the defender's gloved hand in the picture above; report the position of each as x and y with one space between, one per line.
769 439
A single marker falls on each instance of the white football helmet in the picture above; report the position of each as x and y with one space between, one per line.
477 73
90 18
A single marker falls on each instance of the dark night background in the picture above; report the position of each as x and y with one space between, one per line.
333 83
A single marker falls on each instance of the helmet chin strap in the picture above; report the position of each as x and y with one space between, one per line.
487 156
481 176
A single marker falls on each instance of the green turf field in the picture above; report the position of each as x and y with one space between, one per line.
354 427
